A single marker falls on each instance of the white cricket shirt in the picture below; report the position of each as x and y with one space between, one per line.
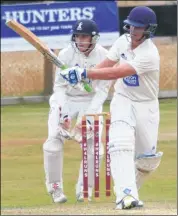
72 58
145 59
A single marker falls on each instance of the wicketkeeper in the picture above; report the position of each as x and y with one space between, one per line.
72 102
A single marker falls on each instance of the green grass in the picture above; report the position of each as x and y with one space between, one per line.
23 131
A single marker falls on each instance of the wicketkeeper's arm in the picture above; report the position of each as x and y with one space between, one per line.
100 96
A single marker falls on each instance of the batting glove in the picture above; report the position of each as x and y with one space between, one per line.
74 75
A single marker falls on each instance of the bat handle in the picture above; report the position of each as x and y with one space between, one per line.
63 67
86 86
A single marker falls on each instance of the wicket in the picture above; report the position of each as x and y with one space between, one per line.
96 154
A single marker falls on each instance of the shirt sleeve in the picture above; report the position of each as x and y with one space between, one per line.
145 63
113 53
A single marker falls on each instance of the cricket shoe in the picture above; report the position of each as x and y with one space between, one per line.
57 194
79 194
80 197
129 202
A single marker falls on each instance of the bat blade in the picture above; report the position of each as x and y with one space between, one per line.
40 46
35 41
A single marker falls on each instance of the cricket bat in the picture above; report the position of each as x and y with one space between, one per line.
40 46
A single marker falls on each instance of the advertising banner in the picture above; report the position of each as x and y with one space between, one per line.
52 22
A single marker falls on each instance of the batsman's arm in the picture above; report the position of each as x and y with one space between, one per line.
109 68
111 73
146 63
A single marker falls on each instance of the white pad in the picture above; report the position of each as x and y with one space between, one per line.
53 161
57 116
123 175
146 164
121 149
122 137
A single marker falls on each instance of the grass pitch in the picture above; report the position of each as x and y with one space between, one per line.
23 131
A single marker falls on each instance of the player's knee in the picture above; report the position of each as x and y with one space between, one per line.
148 163
53 145
121 137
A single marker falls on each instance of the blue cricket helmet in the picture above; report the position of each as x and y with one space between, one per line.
142 16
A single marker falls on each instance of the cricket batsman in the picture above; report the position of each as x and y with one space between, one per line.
134 107
72 102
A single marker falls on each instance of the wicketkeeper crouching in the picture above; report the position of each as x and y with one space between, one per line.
72 102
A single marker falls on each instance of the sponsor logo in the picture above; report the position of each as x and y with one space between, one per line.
55 186
131 80
56 15
127 191
72 76
80 26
